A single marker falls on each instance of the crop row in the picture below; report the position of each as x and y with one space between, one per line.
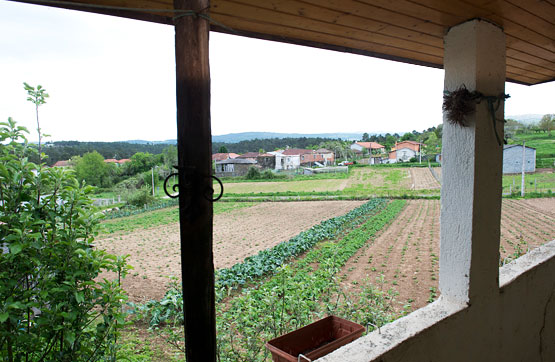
300 293
295 295
267 261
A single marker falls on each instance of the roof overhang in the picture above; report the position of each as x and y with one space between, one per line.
410 32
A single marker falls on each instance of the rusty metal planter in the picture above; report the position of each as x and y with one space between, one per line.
314 340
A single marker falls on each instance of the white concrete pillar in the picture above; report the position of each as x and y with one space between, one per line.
474 56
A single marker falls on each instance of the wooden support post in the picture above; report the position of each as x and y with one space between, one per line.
194 145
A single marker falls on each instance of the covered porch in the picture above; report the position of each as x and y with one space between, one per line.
485 313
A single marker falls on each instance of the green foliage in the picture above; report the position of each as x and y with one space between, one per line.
268 175
92 169
253 173
547 123
53 305
223 149
64 150
408 137
38 98
140 197
268 144
169 156
141 162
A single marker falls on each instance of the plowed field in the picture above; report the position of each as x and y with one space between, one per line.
406 254
155 254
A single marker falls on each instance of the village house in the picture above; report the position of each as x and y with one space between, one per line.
266 161
233 167
404 151
325 156
286 161
512 159
223 156
367 147
263 160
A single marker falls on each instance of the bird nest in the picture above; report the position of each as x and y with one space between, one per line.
459 104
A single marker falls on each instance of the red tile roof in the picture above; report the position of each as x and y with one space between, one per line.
415 146
249 155
223 156
370 145
296 151
113 160
61 164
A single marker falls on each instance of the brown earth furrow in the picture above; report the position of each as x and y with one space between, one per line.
523 209
533 217
155 252
523 236
401 254
530 222
544 206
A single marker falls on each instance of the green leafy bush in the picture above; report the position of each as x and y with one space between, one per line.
53 305
253 173
141 197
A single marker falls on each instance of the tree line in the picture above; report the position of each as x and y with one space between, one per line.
64 150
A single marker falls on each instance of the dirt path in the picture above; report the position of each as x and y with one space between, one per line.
405 256
155 254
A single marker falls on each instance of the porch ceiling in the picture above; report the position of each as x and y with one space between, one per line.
410 31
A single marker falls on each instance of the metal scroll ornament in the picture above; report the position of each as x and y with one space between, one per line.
176 188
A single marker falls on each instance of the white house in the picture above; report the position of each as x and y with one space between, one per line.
286 161
404 151
361 147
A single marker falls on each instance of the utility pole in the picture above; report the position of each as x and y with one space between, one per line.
523 160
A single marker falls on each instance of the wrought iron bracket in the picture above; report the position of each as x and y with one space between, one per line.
208 194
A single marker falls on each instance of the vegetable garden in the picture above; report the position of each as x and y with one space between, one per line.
370 265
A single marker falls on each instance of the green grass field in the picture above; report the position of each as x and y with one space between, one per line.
536 182
361 181
544 145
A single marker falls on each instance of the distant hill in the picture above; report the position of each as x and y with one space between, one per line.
246 136
144 142
526 118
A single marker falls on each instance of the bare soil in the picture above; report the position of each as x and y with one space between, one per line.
405 256
155 252
422 179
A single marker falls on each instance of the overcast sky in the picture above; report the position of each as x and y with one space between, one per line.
113 79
